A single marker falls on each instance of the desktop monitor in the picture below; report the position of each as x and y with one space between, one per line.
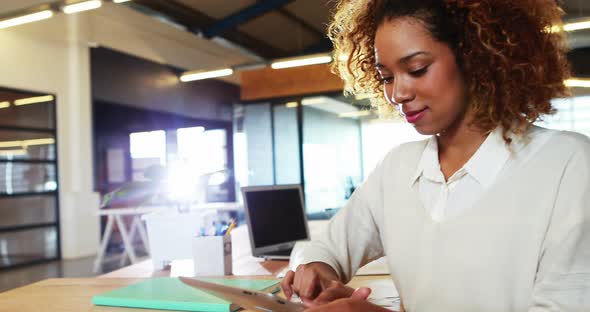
276 219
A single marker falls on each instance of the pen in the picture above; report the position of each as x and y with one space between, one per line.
231 227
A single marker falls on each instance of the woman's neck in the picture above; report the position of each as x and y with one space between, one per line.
457 145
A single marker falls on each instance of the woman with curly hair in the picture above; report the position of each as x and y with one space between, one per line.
491 213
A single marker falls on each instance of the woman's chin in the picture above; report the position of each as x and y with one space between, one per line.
425 129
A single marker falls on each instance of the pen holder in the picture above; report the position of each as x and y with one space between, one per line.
212 255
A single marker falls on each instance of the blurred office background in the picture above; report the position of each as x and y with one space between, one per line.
91 103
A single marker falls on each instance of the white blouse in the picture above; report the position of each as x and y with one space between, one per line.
522 244
447 199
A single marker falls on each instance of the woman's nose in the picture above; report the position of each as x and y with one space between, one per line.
400 92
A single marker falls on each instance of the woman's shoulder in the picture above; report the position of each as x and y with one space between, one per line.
564 142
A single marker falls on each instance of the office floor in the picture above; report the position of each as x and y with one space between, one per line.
82 267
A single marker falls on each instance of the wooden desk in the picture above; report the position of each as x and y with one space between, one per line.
65 295
75 294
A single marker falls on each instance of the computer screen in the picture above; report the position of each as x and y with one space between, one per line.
276 215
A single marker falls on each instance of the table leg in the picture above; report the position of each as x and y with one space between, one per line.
106 236
126 241
143 234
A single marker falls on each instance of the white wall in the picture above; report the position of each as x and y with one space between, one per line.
52 56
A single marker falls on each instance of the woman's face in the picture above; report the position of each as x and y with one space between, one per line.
420 76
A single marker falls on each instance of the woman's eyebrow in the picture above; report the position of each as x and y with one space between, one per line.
404 59
408 57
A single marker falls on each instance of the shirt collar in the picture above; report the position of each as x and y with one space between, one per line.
489 158
428 164
483 166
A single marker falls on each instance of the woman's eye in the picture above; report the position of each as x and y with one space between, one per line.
386 80
419 72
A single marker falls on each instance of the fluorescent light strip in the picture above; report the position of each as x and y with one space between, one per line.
291 104
576 26
34 100
29 18
313 101
22 143
191 76
120 1
577 82
20 151
354 114
4 104
81 6
312 60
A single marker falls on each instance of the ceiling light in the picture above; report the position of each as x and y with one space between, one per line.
120 1
46 141
576 26
313 101
199 75
577 82
292 104
355 114
302 61
82 6
27 142
33 100
29 18
13 152
4 104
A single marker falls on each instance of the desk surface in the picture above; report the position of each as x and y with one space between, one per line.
75 294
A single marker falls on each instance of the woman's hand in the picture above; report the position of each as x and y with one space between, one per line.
309 280
352 304
336 290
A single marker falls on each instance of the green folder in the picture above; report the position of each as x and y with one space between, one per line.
168 293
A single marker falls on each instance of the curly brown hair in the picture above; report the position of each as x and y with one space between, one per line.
511 61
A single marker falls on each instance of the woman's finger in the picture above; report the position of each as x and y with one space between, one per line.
286 284
361 293
298 279
329 295
310 284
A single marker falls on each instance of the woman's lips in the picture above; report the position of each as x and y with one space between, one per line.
413 117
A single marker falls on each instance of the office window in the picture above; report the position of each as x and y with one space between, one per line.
253 147
286 144
266 144
189 142
29 212
332 160
201 167
147 149
573 114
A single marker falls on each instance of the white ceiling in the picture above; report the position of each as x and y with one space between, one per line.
160 42
7 6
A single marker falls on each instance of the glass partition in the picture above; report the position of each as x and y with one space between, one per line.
332 156
29 213
328 143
